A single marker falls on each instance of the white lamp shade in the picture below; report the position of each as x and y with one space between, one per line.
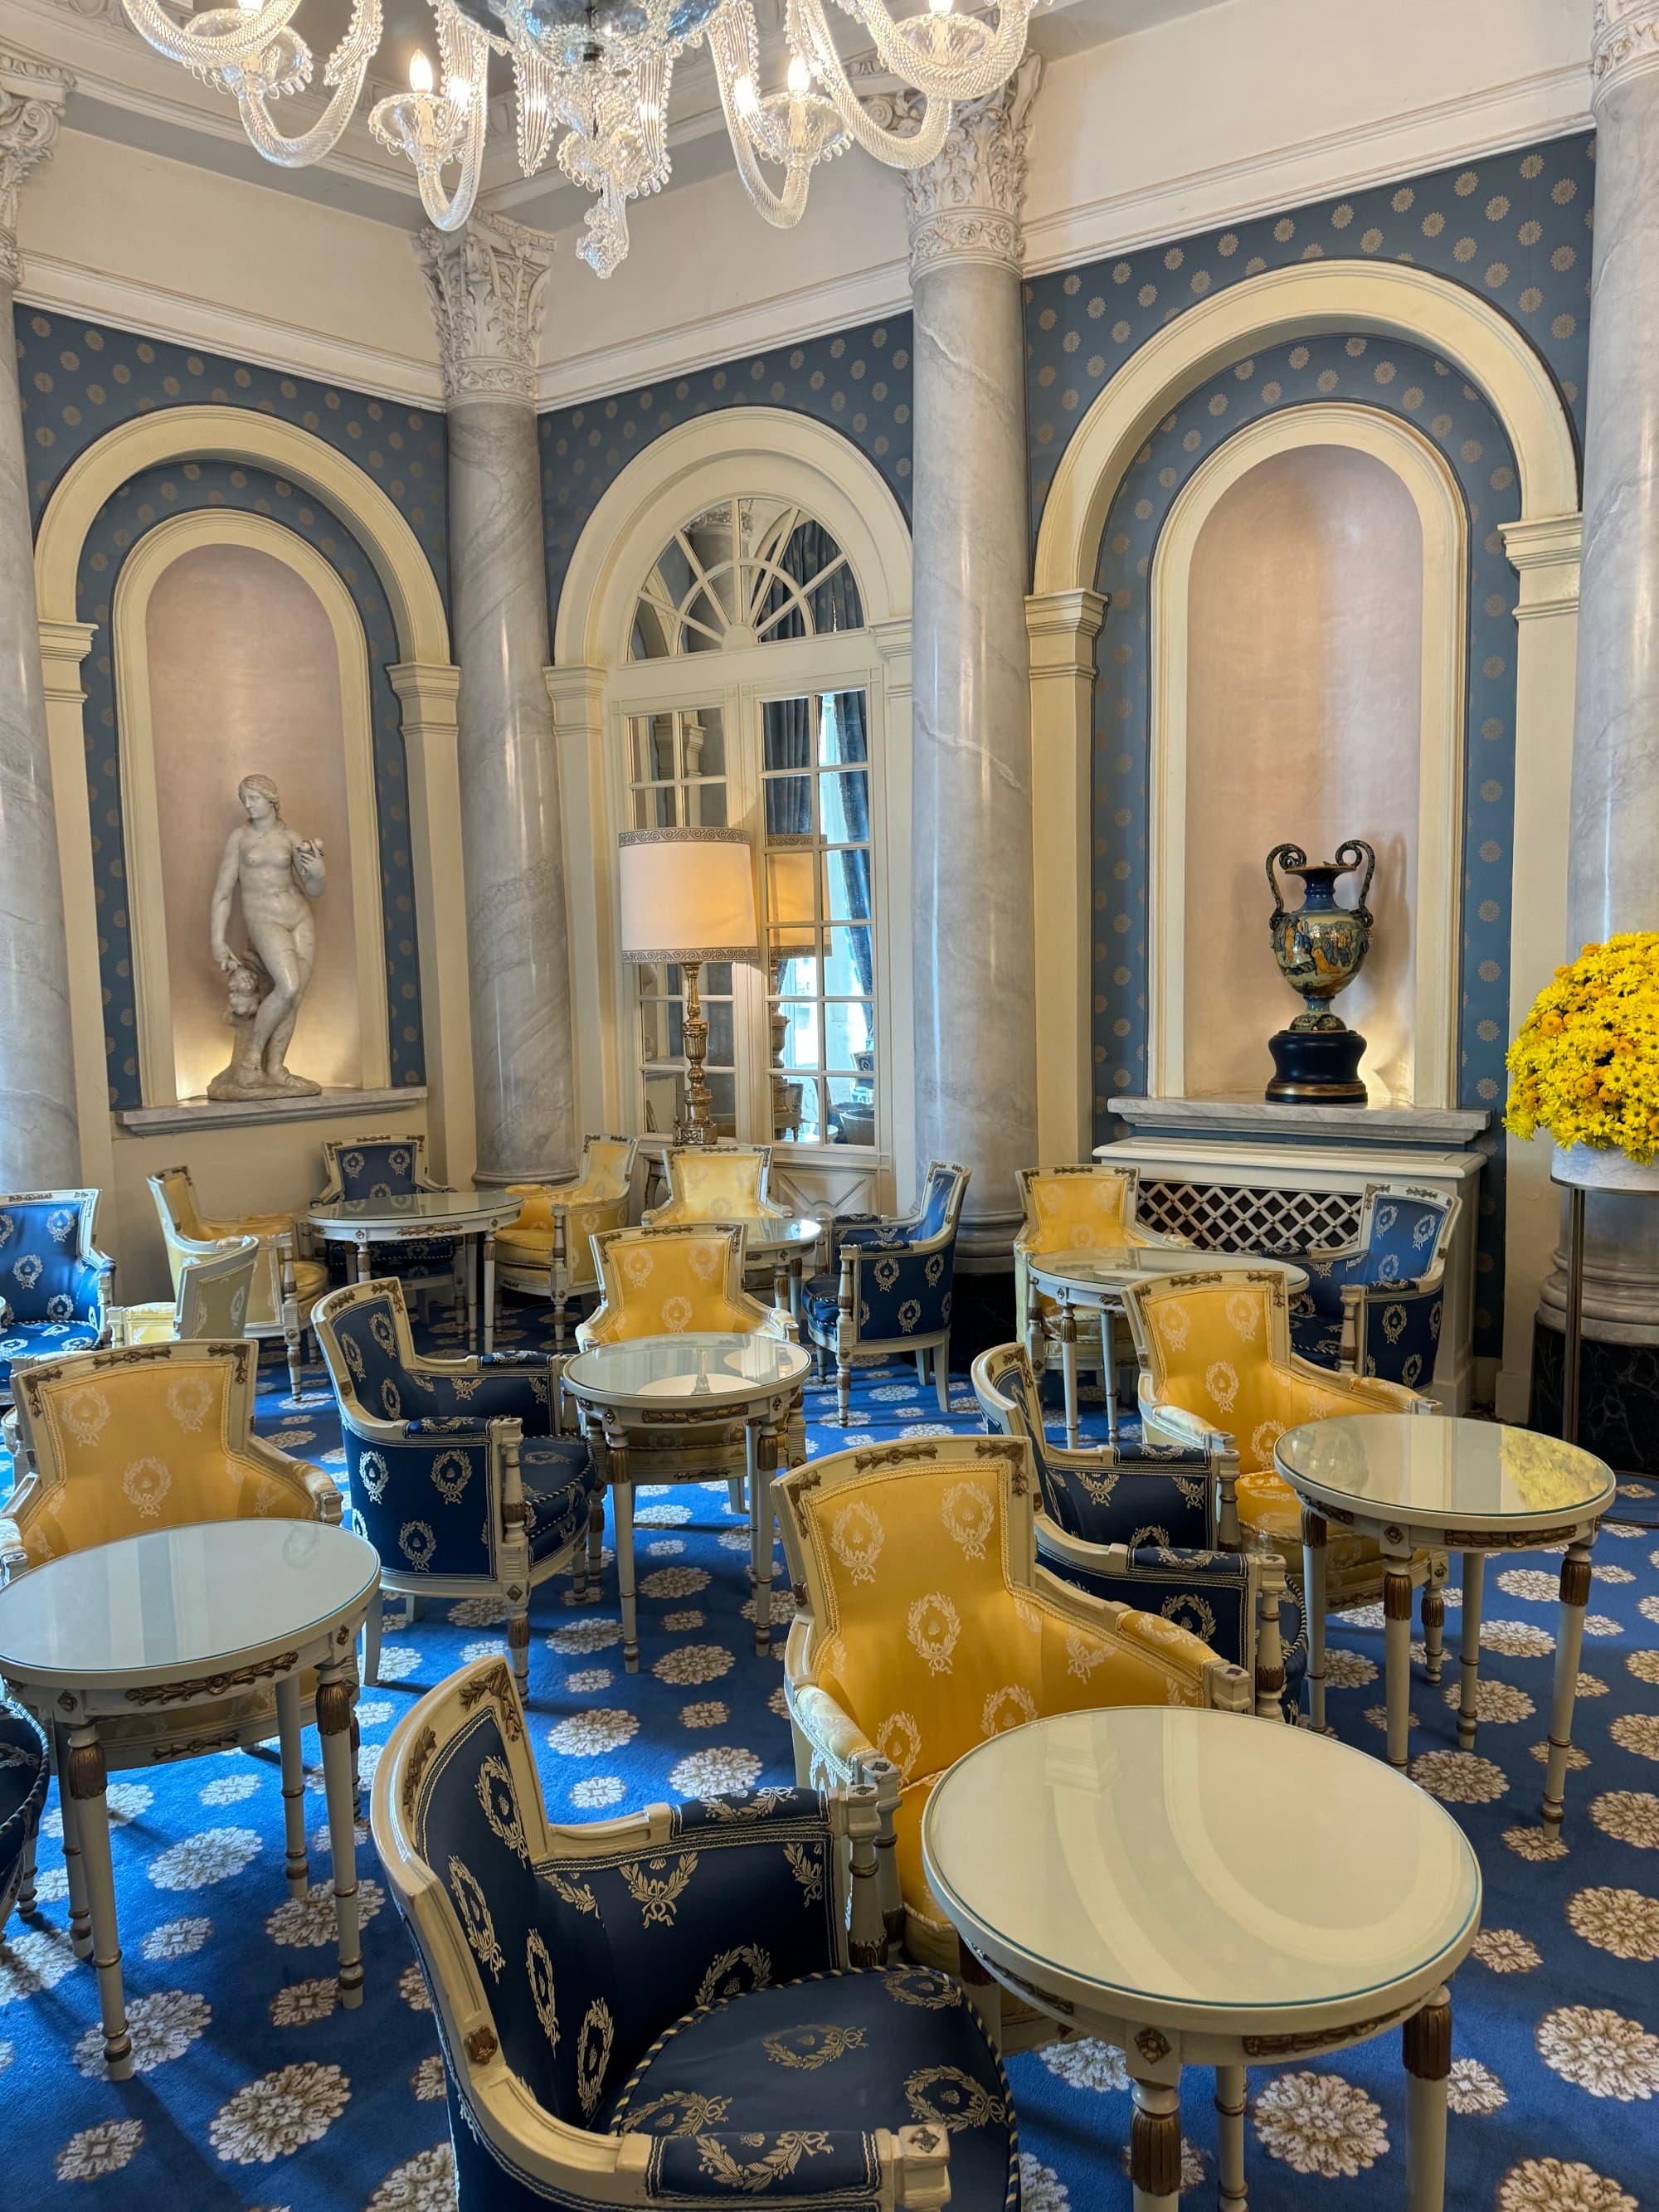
687 894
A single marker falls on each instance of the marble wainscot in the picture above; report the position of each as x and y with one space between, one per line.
1235 1175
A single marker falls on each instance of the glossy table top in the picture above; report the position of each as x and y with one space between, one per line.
1109 1267
1443 1470
700 1365
1200 1860
177 1600
780 1236
413 1209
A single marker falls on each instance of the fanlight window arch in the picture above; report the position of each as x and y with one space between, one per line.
748 571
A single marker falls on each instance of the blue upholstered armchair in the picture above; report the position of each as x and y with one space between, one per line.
1373 1307
54 1281
888 1287
457 1479
388 1167
1140 1524
671 2009
24 1773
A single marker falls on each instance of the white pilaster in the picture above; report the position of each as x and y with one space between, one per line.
488 284
975 1030
39 1146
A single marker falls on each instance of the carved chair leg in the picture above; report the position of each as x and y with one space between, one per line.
1426 2042
1397 1654
518 1645
867 1941
86 1783
1270 1644
1230 2098
297 1866
75 1873
26 1881
291 1339
1434 1627
922 1367
1475 1586
942 1375
595 1544
334 1718
843 1390
1569 1645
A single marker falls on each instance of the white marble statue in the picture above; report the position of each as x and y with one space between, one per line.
278 876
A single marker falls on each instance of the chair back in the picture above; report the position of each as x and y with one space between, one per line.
363 1330
1080 1209
50 1269
664 1281
1403 1230
213 1294
726 1185
149 1437
1011 1402
1217 1345
942 1193
608 1166
374 1167
598 1199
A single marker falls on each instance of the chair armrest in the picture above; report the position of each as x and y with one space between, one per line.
1188 1430
818 2166
832 1731
474 1427
13 1559
324 1495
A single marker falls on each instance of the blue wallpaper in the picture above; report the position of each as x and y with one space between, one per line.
857 381
80 381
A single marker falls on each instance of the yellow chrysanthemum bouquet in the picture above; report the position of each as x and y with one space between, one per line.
1585 1066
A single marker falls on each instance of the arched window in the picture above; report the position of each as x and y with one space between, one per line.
752 706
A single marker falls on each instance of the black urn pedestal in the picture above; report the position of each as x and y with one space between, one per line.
1316 1067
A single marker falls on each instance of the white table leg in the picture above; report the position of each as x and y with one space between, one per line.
1067 1330
1569 1645
339 1783
362 1262
1426 2042
489 1290
298 1865
1397 1653
1474 1576
796 1266
371 1641
74 1866
1109 1373
1434 1628
1230 2102
472 1293
87 1779
1155 2147
1315 1532
622 1509
760 1527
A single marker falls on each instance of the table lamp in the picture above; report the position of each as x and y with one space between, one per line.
792 927
687 895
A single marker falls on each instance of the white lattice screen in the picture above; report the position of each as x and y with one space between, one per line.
1235 1218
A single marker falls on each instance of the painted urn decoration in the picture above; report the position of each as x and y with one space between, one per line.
1320 946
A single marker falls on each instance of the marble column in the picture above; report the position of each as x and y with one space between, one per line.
976 1033
488 284
1613 882
40 1142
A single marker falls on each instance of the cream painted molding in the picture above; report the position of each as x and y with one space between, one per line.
1434 492
64 647
141 573
68 287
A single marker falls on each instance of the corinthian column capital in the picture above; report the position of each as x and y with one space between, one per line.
966 204
488 285
1624 42
32 96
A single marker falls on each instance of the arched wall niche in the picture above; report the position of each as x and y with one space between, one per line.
744 451
279 1167
1309 620
1066 614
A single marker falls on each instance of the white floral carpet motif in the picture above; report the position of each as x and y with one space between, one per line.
254 2090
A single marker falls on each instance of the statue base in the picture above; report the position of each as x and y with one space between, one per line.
231 1084
1316 1067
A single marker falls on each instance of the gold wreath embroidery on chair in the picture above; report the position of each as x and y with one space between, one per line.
145 1483
61 1308
418 1543
373 1473
473 1909
951 2099
909 1315
734 1973
1011 1707
970 1515
500 1805
576 1895
886 1273
899 1740
1394 1323
856 1537
921 1987
934 1269
678 2112
676 1314
1192 1612
466 1387
658 1892
538 1971
638 1265
933 1625
1221 1381
84 1414
354 1358
785 2155
380 1329
190 1400
451 1473
1083 1656
593 2054
807 1868
809 2046
1243 1316
59 1223
390 1404
1174 1324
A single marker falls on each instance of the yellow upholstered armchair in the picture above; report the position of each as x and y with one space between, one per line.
150 1436
548 1252
211 1303
727 1184
926 1625
284 1288
1088 1208
663 1281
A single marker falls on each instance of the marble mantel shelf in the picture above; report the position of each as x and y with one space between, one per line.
242 1113
1242 1116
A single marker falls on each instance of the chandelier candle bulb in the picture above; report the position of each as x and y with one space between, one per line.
420 73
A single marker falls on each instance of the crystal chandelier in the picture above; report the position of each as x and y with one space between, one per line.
599 71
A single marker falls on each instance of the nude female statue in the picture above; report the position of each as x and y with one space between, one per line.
278 875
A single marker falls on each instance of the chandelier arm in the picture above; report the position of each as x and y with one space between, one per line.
967 77
347 66
207 54
734 43
899 151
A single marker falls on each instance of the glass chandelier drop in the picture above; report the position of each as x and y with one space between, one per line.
598 72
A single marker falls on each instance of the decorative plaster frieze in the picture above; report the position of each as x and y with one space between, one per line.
966 204
32 96
1624 42
488 286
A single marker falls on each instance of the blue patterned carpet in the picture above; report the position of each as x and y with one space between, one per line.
255 2091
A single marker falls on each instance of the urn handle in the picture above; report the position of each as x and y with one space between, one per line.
1349 855
1287 857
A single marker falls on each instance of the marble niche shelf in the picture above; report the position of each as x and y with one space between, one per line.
245 1113
1439 1128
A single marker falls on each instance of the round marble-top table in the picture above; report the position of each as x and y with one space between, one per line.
658 1390
176 1621
1467 1486
470 1216
1095 1279
1202 1889
788 1245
